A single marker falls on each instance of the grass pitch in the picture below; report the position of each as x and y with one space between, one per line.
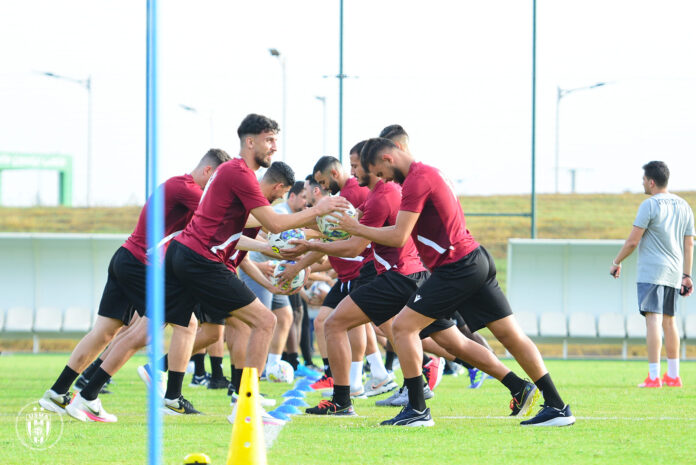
617 423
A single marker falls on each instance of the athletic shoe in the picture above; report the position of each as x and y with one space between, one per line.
267 418
178 406
356 394
522 402
375 387
671 382
551 416
89 410
305 372
400 398
651 383
55 402
388 401
317 370
81 383
476 378
411 417
325 382
202 380
265 402
146 377
219 383
190 368
328 407
452 369
433 371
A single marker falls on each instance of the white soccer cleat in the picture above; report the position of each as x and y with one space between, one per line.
144 374
375 387
89 410
55 402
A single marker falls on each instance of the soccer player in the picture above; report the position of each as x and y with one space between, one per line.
663 232
462 278
124 291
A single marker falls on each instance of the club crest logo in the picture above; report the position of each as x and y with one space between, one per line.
38 428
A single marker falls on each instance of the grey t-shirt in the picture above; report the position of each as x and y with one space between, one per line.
666 218
282 208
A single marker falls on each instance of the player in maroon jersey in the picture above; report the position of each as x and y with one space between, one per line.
463 278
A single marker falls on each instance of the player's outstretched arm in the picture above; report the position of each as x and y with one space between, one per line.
278 222
349 248
391 236
255 245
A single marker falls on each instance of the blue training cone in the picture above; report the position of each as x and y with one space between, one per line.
294 393
288 410
295 402
279 415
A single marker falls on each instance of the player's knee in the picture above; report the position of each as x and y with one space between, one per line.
332 325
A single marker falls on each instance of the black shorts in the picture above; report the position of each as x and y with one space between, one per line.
468 286
124 292
193 279
204 314
340 290
386 295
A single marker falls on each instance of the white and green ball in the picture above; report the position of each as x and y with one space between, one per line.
296 282
281 240
329 221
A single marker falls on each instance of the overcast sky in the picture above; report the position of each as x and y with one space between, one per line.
455 74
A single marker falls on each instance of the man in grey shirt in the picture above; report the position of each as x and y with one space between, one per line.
663 232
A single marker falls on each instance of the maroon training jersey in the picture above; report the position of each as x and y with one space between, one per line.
217 224
238 255
380 209
181 197
348 269
440 233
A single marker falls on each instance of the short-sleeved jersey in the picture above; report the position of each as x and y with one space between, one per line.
667 219
238 255
217 224
380 209
440 233
181 197
348 269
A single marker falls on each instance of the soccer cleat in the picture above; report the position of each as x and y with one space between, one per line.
400 398
55 402
265 402
476 378
178 406
411 417
89 410
433 371
219 383
200 380
328 407
375 387
452 368
522 402
671 382
551 416
305 372
190 368
146 376
651 383
325 382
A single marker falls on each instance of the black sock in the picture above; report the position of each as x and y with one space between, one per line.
65 380
426 359
389 362
548 390
92 368
216 367
327 368
463 363
199 364
341 395
293 360
96 382
237 379
164 362
284 356
415 392
513 382
174 382
232 374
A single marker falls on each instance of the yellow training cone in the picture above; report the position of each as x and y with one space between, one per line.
247 446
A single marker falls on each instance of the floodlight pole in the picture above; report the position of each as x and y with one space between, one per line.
341 76
284 130
533 226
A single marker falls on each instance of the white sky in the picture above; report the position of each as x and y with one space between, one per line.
455 74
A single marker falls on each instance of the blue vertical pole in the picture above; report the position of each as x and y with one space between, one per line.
340 85
155 231
534 226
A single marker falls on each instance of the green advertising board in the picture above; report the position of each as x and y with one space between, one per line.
40 161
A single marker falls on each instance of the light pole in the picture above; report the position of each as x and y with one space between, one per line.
322 99
199 113
284 130
87 84
560 93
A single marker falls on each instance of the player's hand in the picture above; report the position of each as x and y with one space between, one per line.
288 274
267 268
348 224
301 247
615 271
687 287
330 204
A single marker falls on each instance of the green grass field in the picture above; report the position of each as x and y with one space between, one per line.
617 423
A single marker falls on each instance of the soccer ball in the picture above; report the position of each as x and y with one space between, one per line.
327 222
316 289
296 282
280 372
280 241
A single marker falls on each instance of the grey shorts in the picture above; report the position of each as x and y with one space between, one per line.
656 298
271 301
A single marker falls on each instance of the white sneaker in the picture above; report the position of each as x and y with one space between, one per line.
190 368
89 410
55 402
375 387
145 376
266 417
